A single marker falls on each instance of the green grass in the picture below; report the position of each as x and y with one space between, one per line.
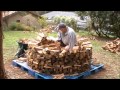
10 44
85 33
54 34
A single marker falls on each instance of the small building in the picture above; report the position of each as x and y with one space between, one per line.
29 18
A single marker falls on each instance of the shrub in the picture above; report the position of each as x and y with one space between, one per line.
42 21
71 22
105 23
28 28
13 26
56 20
20 27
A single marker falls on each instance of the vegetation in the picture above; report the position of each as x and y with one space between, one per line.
105 23
67 20
42 21
10 45
16 26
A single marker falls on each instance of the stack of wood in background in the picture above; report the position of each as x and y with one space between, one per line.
47 29
24 41
48 57
113 46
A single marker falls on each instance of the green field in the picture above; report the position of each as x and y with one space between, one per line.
10 44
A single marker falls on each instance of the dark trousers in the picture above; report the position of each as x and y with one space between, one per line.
21 51
61 43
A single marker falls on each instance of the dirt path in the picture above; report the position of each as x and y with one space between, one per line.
15 72
111 67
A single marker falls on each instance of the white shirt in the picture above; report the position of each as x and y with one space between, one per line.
69 38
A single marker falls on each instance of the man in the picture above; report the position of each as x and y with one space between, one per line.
66 36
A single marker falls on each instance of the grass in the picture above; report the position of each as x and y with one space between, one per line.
54 34
10 44
110 60
83 33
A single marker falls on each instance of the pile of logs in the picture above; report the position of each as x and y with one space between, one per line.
113 46
24 41
48 57
47 29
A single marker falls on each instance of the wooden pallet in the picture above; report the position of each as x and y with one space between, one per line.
25 67
94 69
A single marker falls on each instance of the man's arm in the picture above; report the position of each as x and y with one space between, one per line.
56 29
72 41
59 36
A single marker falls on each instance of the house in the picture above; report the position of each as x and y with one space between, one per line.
52 14
83 24
29 18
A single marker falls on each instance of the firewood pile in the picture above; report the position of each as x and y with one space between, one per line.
47 29
113 46
24 40
46 56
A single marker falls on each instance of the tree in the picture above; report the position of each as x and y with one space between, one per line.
5 19
42 21
69 21
105 23
2 69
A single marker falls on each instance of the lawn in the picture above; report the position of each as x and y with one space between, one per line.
111 61
10 45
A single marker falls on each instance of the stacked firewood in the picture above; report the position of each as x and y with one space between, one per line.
48 57
47 29
24 41
113 46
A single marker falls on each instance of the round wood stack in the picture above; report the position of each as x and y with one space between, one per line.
49 58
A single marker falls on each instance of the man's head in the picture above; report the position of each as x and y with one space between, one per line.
62 28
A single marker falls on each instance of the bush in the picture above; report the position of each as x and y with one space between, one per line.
105 23
16 26
13 26
71 22
20 27
56 20
42 21
28 28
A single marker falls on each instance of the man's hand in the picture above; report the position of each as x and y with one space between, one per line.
67 48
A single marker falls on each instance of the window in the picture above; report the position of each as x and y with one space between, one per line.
17 20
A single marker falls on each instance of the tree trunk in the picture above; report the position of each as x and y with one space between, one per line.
2 69
5 19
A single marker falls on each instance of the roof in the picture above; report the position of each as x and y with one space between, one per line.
9 13
60 13
34 13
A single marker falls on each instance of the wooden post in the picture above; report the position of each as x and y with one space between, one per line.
2 69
